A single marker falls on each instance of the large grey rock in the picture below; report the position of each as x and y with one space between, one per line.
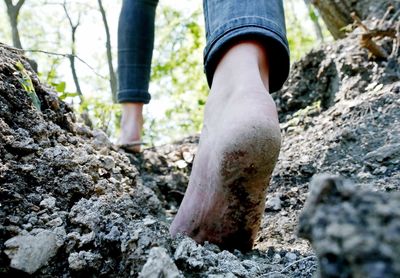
30 252
354 232
385 154
159 264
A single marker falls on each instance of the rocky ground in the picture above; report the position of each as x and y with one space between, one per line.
72 204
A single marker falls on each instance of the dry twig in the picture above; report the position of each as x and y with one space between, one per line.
367 38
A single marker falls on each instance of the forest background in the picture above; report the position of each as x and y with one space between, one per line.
74 44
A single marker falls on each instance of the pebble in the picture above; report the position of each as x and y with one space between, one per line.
159 264
273 203
55 222
277 258
28 253
291 256
48 203
181 164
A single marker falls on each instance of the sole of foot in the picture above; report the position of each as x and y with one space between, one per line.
238 149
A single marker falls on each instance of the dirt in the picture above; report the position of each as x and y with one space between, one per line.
85 208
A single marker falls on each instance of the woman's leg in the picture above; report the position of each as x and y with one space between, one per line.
246 57
135 49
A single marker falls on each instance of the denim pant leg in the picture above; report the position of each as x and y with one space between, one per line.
229 21
135 49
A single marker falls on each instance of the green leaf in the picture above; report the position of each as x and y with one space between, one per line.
60 87
26 83
64 95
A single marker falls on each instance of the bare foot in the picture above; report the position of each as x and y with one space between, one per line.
131 125
238 149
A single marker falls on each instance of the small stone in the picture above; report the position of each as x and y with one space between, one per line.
86 238
276 258
181 164
100 139
55 222
381 170
387 153
84 260
188 156
48 203
190 253
13 219
108 162
291 256
148 221
159 264
114 234
225 275
364 175
28 253
273 203
27 226
33 220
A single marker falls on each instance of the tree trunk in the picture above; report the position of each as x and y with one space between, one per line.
72 56
315 21
113 76
72 62
337 13
13 12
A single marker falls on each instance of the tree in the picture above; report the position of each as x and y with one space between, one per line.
74 27
113 76
13 13
314 18
337 14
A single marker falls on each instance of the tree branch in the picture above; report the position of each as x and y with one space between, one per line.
9 4
19 4
66 55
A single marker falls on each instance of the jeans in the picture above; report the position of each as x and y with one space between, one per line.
227 22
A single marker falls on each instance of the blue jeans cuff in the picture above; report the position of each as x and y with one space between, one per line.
267 32
133 96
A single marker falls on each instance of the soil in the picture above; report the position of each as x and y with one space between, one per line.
72 204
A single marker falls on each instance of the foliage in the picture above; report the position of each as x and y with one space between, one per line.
177 75
52 78
300 36
26 82
102 114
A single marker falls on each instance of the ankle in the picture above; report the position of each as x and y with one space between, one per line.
132 113
131 122
244 64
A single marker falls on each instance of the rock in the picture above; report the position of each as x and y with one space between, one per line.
48 203
100 139
86 238
291 256
229 263
273 203
55 222
188 156
28 253
225 275
114 234
390 152
189 252
353 231
181 164
84 260
276 258
159 264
